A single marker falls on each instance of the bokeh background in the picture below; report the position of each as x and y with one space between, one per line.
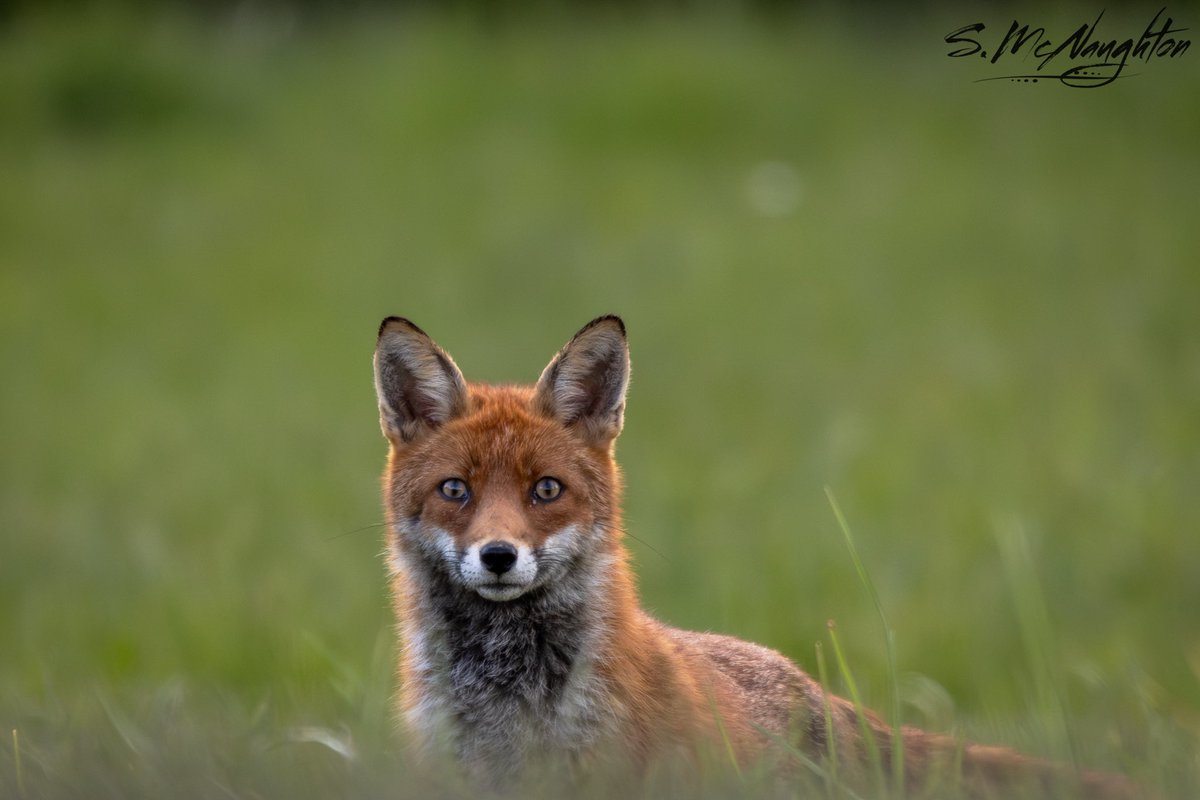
970 310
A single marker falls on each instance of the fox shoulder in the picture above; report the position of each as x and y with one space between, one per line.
751 681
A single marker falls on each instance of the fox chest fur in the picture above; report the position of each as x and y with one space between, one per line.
500 686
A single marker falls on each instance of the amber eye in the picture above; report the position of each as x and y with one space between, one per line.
547 489
454 489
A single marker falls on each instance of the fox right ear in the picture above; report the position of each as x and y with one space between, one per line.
584 386
418 384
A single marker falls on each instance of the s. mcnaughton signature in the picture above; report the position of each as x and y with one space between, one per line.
1102 61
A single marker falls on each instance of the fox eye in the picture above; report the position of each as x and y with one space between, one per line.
547 489
454 489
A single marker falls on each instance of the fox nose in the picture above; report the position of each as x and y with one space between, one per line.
498 557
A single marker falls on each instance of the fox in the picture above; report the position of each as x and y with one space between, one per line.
522 640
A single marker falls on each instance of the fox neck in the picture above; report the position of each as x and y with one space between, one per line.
524 648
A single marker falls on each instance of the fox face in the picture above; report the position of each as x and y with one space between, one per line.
500 492
500 501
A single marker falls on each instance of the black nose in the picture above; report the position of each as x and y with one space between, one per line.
498 557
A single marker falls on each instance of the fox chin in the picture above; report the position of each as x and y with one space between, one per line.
522 640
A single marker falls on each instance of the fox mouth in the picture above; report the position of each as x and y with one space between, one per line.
500 592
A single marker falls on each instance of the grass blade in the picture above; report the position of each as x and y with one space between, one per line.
737 768
830 734
17 759
889 638
868 735
1037 634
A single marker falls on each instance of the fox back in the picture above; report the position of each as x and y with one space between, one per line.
522 639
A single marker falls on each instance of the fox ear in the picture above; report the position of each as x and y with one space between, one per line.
584 385
418 384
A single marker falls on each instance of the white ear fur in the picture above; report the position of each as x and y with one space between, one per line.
418 384
584 385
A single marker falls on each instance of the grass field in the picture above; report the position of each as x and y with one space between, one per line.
968 309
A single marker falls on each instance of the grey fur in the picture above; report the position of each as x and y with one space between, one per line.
513 682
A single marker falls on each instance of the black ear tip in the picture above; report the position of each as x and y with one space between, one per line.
398 324
606 320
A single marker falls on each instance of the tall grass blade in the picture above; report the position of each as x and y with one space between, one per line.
1037 634
830 734
868 735
17 760
725 737
889 638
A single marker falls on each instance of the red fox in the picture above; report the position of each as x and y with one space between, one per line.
522 639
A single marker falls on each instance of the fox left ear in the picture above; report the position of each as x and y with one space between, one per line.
584 385
418 384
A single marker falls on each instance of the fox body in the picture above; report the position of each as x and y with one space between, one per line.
522 639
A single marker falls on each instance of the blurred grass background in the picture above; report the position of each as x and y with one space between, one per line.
968 309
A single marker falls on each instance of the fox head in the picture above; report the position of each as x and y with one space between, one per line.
499 492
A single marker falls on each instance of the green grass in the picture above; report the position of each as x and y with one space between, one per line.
968 309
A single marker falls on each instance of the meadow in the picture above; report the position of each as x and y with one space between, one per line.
965 311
